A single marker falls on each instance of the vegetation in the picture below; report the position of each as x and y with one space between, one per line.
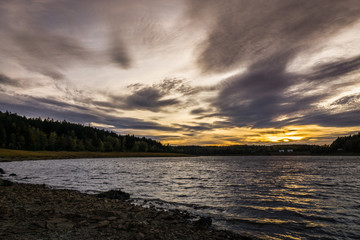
23 133
252 150
349 144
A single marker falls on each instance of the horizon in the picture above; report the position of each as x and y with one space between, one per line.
187 72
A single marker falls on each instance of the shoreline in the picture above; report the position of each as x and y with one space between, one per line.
30 211
10 155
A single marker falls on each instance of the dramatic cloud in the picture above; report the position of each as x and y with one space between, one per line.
248 31
233 71
43 107
260 97
169 93
336 69
269 35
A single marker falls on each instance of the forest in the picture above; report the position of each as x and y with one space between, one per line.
350 144
17 132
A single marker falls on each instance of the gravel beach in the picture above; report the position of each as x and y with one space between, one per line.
30 211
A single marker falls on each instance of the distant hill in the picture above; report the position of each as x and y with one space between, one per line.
17 132
349 144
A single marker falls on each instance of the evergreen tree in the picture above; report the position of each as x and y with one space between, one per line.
36 134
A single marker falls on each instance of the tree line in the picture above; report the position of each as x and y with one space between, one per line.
18 132
342 145
296 149
349 144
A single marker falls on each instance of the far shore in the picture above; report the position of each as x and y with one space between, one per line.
8 155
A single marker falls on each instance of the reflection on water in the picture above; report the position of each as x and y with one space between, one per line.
269 197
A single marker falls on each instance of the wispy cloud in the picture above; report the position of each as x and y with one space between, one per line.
4 80
230 68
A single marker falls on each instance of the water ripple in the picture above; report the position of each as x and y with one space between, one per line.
269 197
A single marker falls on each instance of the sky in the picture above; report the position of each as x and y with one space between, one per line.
186 72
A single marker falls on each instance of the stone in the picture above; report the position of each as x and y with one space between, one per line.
114 194
139 236
103 213
5 183
65 225
102 224
203 222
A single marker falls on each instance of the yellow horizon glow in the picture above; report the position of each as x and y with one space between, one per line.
303 134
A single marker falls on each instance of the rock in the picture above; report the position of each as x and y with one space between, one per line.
50 226
6 183
114 194
65 225
139 236
203 222
103 213
12 175
40 224
102 224
2 171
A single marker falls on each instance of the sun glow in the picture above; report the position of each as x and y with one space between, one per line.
303 134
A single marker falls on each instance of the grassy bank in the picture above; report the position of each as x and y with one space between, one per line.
20 155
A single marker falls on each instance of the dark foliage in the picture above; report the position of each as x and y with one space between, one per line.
296 149
349 144
17 132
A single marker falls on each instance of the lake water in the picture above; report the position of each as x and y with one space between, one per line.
287 197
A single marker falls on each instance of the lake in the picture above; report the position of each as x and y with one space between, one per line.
277 197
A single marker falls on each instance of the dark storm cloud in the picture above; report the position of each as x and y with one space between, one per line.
156 97
266 36
246 31
147 98
328 119
41 107
260 96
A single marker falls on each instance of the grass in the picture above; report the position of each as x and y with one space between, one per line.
7 155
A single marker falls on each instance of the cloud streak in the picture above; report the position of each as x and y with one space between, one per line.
59 110
249 31
266 36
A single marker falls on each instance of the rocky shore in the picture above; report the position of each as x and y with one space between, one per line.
37 212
